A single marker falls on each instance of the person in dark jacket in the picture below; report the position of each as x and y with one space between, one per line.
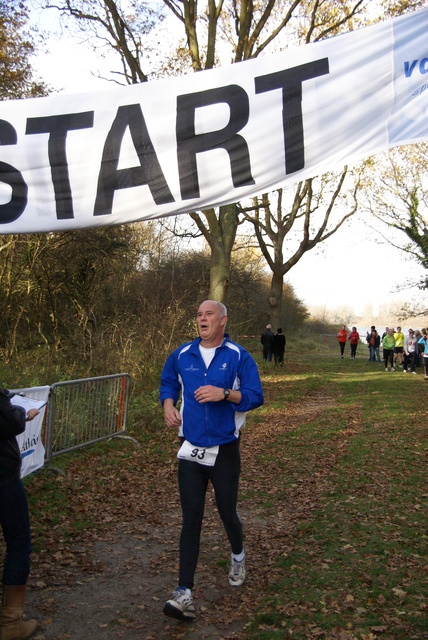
374 345
278 347
15 522
267 341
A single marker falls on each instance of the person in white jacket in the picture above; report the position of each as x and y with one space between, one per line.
410 347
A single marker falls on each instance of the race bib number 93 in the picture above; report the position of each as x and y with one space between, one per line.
206 456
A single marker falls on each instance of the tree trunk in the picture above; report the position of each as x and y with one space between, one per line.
219 274
275 300
220 233
221 251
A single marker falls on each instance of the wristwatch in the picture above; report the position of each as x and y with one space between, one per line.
226 393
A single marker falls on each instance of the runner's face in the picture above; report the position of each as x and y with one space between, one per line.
210 324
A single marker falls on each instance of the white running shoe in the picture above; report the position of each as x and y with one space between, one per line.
237 573
392 369
386 368
181 606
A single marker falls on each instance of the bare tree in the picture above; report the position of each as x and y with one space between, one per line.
17 78
241 30
309 215
397 195
108 26
250 28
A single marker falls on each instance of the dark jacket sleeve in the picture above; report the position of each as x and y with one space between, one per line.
12 418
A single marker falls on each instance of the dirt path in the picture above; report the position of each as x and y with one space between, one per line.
114 581
122 593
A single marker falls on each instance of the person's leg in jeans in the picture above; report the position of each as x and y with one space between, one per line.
15 522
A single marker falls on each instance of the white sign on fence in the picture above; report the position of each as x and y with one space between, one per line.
30 442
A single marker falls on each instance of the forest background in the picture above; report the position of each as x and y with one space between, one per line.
100 301
337 515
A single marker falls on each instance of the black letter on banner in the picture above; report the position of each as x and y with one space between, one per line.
58 127
189 144
11 176
111 178
290 81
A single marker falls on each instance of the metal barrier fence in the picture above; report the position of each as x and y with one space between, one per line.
82 412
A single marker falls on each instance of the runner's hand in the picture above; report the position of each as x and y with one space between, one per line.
171 415
209 393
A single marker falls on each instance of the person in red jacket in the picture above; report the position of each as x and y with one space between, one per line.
354 338
342 336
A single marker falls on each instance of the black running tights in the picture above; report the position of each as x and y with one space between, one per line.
193 481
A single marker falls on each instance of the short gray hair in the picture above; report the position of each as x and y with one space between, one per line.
220 306
222 309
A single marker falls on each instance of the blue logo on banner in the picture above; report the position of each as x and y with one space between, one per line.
410 67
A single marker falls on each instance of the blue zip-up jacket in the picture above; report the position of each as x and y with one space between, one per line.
424 341
211 423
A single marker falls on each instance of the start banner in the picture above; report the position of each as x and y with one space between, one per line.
183 144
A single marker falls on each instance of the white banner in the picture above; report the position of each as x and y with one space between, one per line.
30 442
183 144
